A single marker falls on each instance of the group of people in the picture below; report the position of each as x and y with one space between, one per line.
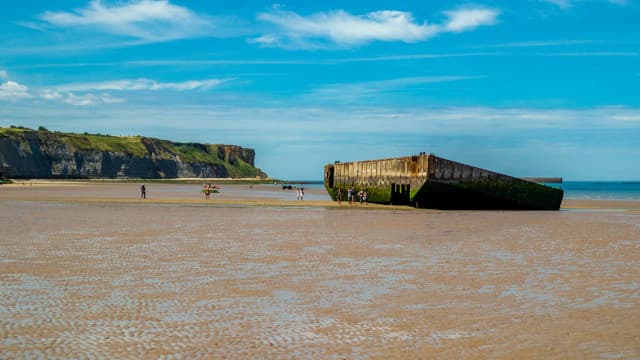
363 196
207 189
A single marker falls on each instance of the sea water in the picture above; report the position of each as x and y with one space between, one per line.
600 190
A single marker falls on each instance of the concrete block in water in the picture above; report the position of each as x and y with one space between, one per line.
428 181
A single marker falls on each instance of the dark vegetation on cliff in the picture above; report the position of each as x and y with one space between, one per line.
28 153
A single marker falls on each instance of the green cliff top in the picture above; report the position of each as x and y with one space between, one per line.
238 165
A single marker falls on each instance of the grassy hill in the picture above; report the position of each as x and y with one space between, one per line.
223 160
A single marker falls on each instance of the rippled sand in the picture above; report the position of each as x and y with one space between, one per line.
98 279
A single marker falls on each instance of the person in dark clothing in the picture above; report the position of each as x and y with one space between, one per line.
143 192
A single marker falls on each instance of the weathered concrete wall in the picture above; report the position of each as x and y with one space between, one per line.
453 185
411 170
446 170
381 178
431 181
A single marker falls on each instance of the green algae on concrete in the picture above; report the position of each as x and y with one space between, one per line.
428 181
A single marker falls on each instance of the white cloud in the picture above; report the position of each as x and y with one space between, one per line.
368 90
142 84
541 43
266 40
150 20
80 100
469 19
188 85
324 122
50 94
328 122
90 99
345 29
594 54
108 99
12 91
324 61
565 4
3 74
68 93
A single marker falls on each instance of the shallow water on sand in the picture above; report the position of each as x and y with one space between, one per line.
147 281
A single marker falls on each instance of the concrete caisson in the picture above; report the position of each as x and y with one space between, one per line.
428 181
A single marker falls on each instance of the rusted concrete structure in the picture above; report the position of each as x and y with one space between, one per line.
428 181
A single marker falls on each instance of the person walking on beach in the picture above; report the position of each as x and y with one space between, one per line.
207 191
143 192
350 195
301 193
297 193
365 196
339 197
360 196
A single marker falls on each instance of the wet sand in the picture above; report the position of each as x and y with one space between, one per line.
89 270
601 204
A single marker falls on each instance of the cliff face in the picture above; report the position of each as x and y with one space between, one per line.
26 153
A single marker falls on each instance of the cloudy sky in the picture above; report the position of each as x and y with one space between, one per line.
528 88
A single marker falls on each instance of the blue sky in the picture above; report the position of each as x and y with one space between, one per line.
528 88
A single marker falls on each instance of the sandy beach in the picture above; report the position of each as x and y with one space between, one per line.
89 270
